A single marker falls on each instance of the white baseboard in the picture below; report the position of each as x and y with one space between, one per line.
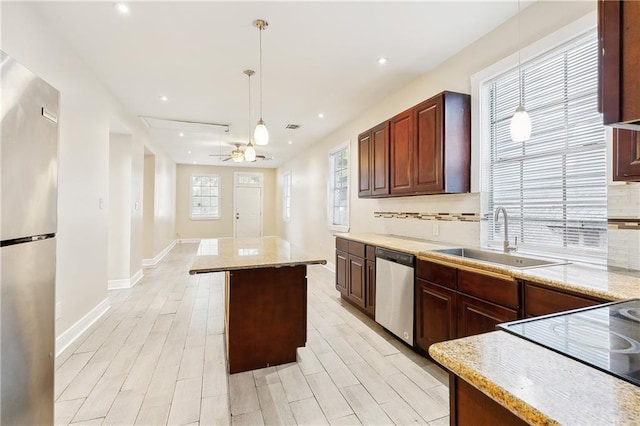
64 340
330 266
126 282
189 240
150 263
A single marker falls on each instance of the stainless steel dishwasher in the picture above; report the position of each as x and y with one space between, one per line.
394 292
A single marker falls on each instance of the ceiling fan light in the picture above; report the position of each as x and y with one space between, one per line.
261 134
237 156
520 127
250 153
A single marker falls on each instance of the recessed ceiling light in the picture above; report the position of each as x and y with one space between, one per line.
181 134
122 8
188 152
194 162
290 142
164 98
382 60
321 115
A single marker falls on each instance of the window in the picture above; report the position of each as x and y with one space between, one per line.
338 194
554 185
286 197
205 198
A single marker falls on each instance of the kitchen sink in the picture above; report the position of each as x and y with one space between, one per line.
506 259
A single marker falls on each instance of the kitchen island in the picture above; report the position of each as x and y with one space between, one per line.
265 297
500 379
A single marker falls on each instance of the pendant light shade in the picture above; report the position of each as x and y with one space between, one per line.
250 153
261 134
520 125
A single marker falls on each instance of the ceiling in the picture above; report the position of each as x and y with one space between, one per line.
318 57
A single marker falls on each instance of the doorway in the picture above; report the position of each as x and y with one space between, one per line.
247 205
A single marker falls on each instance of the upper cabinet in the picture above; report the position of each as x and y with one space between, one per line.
428 148
626 155
373 161
619 86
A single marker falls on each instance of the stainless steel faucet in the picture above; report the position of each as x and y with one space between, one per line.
505 244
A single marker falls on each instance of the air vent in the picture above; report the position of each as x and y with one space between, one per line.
293 126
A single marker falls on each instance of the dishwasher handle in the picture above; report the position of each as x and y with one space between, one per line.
396 256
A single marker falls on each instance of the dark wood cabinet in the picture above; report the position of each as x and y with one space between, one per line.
402 148
356 290
469 406
370 286
423 150
476 316
355 274
626 155
540 300
619 39
435 313
373 161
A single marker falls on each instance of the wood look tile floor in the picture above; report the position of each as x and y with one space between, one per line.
158 357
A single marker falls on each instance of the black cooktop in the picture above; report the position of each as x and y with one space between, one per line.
606 337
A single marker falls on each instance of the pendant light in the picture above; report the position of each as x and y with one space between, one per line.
520 127
261 134
250 151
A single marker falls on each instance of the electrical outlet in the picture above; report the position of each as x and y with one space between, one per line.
58 310
436 230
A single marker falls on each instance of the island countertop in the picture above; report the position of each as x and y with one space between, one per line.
228 254
538 385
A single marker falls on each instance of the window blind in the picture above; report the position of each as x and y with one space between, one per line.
554 185
339 186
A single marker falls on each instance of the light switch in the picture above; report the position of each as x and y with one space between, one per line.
100 203
436 229
136 205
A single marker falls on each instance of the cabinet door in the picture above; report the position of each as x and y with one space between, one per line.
428 159
370 284
435 313
342 272
476 316
626 155
380 159
356 291
401 147
364 163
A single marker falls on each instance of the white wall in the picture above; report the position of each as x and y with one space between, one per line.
309 169
148 203
119 206
164 226
87 111
223 227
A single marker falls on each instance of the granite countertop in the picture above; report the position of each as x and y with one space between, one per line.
589 280
539 385
405 244
227 254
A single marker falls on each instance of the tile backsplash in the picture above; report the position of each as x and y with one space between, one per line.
623 233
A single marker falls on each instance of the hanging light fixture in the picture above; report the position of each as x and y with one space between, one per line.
250 151
520 127
261 134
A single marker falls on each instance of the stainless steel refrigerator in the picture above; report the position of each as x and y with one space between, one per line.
29 136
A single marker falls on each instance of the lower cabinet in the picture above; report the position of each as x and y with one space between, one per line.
435 315
356 274
476 316
469 406
542 300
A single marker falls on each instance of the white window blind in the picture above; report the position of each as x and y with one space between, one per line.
339 186
205 197
554 185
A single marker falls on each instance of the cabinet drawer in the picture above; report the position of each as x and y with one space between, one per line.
356 249
542 301
342 244
502 291
436 273
371 252
477 316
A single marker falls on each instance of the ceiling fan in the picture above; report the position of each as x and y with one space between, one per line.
237 155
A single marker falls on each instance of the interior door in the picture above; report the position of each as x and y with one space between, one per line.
248 205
